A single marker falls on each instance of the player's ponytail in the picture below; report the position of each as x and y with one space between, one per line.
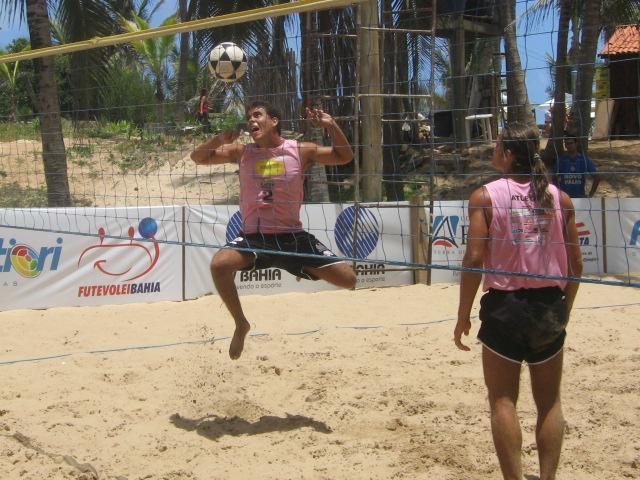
540 184
523 142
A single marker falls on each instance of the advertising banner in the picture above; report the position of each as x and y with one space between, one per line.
623 235
96 256
450 225
114 256
346 230
589 225
449 239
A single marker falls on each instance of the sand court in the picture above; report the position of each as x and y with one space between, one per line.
364 384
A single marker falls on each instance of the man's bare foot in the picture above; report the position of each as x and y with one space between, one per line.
237 342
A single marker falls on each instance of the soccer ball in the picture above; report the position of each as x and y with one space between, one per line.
227 62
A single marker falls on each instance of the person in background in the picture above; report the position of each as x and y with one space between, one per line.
572 170
522 232
548 120
202 113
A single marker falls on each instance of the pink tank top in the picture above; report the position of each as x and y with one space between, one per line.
271 188
523 239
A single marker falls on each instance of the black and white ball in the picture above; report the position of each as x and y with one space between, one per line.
227 62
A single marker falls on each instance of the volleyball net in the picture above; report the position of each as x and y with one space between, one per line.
420 96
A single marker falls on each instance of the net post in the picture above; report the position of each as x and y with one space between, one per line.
419 238
183 252
605 268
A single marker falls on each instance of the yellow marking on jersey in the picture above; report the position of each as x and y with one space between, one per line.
269 167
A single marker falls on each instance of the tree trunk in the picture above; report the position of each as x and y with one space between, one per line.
48 105
479 79
574 49
81 85
518 108
457 49
396 68
591 21
183 65
316 189
559 113
159 103
14 106
371 103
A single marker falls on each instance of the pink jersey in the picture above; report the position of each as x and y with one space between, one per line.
271 188
523 239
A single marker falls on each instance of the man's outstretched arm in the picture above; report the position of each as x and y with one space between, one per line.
339 153
218 149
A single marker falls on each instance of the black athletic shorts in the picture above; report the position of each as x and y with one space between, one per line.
282 243
524 325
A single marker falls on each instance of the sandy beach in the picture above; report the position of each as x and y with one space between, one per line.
360 384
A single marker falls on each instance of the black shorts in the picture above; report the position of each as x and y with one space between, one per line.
524 325
282 243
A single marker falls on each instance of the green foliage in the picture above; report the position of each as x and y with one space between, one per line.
138 153
414 186
127 161
81 150
118 128
12 131
127 95
226 121
22 73
80 154
13 195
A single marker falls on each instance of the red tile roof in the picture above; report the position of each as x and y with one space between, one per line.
625 40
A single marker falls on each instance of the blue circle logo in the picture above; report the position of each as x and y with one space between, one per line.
357 232
147 227
234 227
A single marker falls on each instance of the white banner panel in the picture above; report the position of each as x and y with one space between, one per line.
449 232
382 234
589 224
114 256
623 235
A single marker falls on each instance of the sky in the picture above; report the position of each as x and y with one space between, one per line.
534 45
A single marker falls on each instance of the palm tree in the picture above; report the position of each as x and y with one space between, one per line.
10 75
181 85
155 56
591 24
518 108
558 116
48 104
74 21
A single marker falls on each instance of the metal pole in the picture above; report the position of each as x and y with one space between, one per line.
356 139
432 107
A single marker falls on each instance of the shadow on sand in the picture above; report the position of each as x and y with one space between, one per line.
213 426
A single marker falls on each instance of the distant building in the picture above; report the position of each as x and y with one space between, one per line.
622 53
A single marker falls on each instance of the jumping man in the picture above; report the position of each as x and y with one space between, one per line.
272 173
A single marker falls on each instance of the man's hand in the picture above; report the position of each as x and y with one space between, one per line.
319 118
214 151
463 326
